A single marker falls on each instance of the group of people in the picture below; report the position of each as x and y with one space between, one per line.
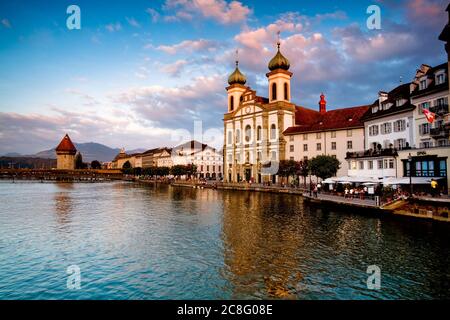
357 192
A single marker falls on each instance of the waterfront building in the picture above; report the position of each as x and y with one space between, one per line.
429 90
157 157
388 127
208 160
65 154
259 132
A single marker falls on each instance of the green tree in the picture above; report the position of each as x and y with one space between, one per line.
303 170
126 165
288 168
191 169
178 170
79 161
162 171
96 165
324 167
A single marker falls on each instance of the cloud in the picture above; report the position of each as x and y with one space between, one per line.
114 27
174 69
190 46
177 107
6 23
219 10
88 99
155 16
132 22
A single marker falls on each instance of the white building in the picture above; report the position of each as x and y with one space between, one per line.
260 132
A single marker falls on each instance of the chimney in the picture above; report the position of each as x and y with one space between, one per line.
382 96
322 104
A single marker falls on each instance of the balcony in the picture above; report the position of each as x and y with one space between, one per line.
441 109
440 133
391 152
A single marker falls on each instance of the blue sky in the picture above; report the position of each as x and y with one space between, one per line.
137 71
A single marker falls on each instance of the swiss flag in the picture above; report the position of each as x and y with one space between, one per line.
430 115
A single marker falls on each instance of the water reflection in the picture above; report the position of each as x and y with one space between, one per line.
63 203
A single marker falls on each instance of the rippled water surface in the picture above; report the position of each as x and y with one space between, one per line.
140 242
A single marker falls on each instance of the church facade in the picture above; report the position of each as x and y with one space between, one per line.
260 132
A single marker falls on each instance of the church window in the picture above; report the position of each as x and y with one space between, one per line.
238 136
273 132
274 91
248 133
258 133
286 91
231 103
230 137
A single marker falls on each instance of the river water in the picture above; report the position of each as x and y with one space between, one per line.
134 241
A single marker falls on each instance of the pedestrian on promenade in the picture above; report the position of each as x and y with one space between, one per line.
345 193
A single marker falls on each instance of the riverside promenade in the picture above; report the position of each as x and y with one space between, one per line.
418 208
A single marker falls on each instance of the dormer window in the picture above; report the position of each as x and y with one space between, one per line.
440 78
399 102
423 84
375 109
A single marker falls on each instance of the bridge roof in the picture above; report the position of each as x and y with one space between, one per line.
66 145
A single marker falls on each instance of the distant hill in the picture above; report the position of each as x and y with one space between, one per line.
23 162
90 151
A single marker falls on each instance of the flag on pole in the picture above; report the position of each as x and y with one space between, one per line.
430 115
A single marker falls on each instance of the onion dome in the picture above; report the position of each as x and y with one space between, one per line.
279 61
237 77
66 146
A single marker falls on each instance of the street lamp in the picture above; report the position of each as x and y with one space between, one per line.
410 174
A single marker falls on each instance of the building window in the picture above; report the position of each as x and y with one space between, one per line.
333 134
440 78
361 165
423 84
273 132
370 165
349 145
291 148
373 130
305 137
400 144
424 129
353 165
286 91
319 147
238 136
258 133
305 147
231 103
425 144
333 146
292 158
305 158
422 106
318 135
349 133
380 164
399 125
274 155
230 137
291 138
391 164
386 128
248 133
274 91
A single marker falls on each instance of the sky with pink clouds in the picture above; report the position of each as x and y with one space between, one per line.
138 70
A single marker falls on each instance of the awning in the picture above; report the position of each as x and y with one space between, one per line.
347 179
405 180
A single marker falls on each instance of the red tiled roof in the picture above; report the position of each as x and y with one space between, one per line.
66 145
308 120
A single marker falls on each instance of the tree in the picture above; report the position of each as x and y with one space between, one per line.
162 171
79 161
324 167
126 165
191 169
303 170
96 165
288 168
178 170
